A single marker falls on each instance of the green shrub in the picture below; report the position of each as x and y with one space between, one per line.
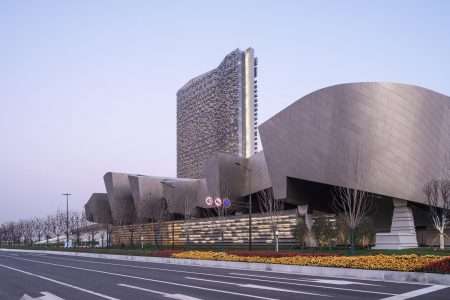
365 233
325 231
301 231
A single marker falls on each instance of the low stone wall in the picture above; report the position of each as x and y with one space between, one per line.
227 231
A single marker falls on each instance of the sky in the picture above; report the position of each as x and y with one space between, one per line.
88 87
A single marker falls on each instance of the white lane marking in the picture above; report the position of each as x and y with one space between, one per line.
167 295
314 286
59 282
56 253
146 279
418 292
237 277
255 286
46 296
326 281
340 282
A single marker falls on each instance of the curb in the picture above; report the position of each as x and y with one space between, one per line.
376 275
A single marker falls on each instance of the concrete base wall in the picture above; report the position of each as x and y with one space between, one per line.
403 231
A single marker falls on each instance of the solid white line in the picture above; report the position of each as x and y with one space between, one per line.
167 295
237 277
60 283
326 281
255 286
418 292
146 279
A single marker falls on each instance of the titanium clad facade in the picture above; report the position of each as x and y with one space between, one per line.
98 210
396 137
216 112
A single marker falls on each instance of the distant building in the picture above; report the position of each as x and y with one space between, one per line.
217 112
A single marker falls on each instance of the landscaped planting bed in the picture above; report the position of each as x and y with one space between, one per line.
410 262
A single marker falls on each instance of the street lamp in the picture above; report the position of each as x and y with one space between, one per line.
67 217
249 203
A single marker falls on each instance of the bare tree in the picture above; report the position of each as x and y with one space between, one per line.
27 231
2 234
354 203
38 228
47 228
157 224
18 229
9 233
272 207
57 224
108 235
437 193
131 229
92 228
77 223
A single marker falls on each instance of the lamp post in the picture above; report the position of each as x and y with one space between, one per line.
67 217
249 203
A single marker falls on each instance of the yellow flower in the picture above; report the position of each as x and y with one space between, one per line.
409 262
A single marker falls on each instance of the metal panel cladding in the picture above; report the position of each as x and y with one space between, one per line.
213 114
397 135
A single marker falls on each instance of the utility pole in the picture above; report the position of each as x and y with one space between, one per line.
67 217
249 176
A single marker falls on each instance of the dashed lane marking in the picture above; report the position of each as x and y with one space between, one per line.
59 282
261 287
166 295
326 281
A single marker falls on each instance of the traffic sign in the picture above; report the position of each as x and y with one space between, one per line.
218 202
226 202
209 201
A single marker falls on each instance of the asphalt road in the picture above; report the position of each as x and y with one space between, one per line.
53 277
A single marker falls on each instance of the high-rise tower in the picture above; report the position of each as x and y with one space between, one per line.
217 112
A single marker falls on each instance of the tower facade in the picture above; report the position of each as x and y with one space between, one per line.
217 112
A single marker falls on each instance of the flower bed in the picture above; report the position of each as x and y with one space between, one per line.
440 266
277 254
164 253
412 262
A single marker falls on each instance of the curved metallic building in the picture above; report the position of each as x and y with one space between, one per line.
120 199
97 209
395 136
147 196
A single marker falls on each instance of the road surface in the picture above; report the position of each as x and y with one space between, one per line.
53 277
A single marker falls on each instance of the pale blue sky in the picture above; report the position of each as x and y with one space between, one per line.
89 86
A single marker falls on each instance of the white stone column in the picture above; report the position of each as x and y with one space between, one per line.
302 211
403 232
